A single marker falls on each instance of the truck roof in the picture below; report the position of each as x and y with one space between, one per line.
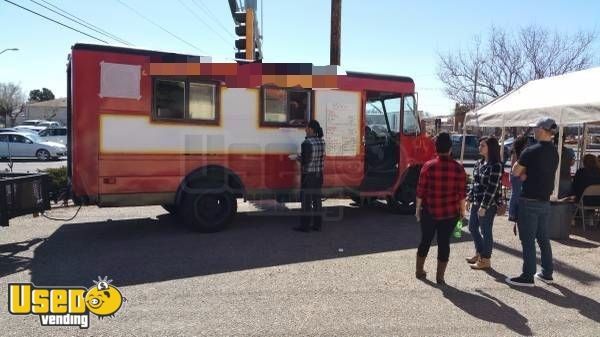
267 68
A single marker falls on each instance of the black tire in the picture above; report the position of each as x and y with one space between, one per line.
208 212
363 201
42 154
404 201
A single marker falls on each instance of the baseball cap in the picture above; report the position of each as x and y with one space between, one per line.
545 123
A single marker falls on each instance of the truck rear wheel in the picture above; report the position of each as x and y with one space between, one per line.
208 212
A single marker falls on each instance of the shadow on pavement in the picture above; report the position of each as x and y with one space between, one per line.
139 251
560 267
576 243
568 299
486 308
10 262
592 234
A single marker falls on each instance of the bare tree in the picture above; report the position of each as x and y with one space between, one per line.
12 101
508 60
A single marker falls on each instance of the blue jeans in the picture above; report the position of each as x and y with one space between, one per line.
515 186
481 230
533 225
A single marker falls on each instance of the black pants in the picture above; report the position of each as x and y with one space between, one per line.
310 196
444 229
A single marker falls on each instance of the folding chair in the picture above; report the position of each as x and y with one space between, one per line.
582 206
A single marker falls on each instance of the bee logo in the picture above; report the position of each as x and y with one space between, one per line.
65 306
104 299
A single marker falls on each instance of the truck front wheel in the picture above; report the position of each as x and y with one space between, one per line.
208 212
404 201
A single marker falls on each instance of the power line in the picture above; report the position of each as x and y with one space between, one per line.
212 16
81 21
57 22
159 26
203 22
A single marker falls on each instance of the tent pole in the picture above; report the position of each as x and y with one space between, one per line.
462 146
557 174
579 152
502 145
584 143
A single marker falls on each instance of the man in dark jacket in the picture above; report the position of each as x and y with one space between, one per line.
537 165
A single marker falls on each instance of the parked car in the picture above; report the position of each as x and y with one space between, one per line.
57 135
32 128
508 144
18 144
7 130
471 146
49 124
31 122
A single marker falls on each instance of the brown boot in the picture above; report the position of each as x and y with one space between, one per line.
473 259
420 273
483 263
441 269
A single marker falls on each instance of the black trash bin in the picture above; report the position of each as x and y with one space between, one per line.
561 216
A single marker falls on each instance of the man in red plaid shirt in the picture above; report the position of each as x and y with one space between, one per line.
441 196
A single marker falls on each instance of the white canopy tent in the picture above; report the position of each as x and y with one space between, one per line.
569 99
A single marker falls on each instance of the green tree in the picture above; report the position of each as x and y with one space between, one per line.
40 95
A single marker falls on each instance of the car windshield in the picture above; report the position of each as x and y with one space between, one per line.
29 123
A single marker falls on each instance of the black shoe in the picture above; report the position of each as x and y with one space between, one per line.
303 229
520 282
541 277
316 228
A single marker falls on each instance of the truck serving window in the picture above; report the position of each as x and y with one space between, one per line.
285 107
185 100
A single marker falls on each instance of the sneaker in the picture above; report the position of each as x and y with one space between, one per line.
541 277
520 282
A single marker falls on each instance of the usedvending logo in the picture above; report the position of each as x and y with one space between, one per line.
68 306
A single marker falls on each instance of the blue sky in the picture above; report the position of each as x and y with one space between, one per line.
383 36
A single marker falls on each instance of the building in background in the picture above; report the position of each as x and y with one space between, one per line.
53 110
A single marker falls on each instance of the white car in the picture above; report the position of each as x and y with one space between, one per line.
15 144
49 124
32 128
57 135
31 122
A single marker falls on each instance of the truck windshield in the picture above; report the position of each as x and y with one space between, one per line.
375 118
376 112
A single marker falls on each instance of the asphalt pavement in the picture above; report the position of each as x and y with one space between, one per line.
31 165
260 278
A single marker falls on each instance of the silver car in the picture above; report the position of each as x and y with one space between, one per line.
15 144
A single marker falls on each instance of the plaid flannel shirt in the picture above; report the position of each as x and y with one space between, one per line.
442 184
485 188
312 156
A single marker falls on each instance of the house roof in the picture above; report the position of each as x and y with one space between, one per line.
54 103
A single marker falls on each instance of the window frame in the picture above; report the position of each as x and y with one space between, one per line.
186 104
310 106
415 115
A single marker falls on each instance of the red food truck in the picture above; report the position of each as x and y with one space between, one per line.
159 128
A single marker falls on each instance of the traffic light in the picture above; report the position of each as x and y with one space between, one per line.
245 30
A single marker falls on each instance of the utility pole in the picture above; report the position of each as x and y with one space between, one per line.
336 32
